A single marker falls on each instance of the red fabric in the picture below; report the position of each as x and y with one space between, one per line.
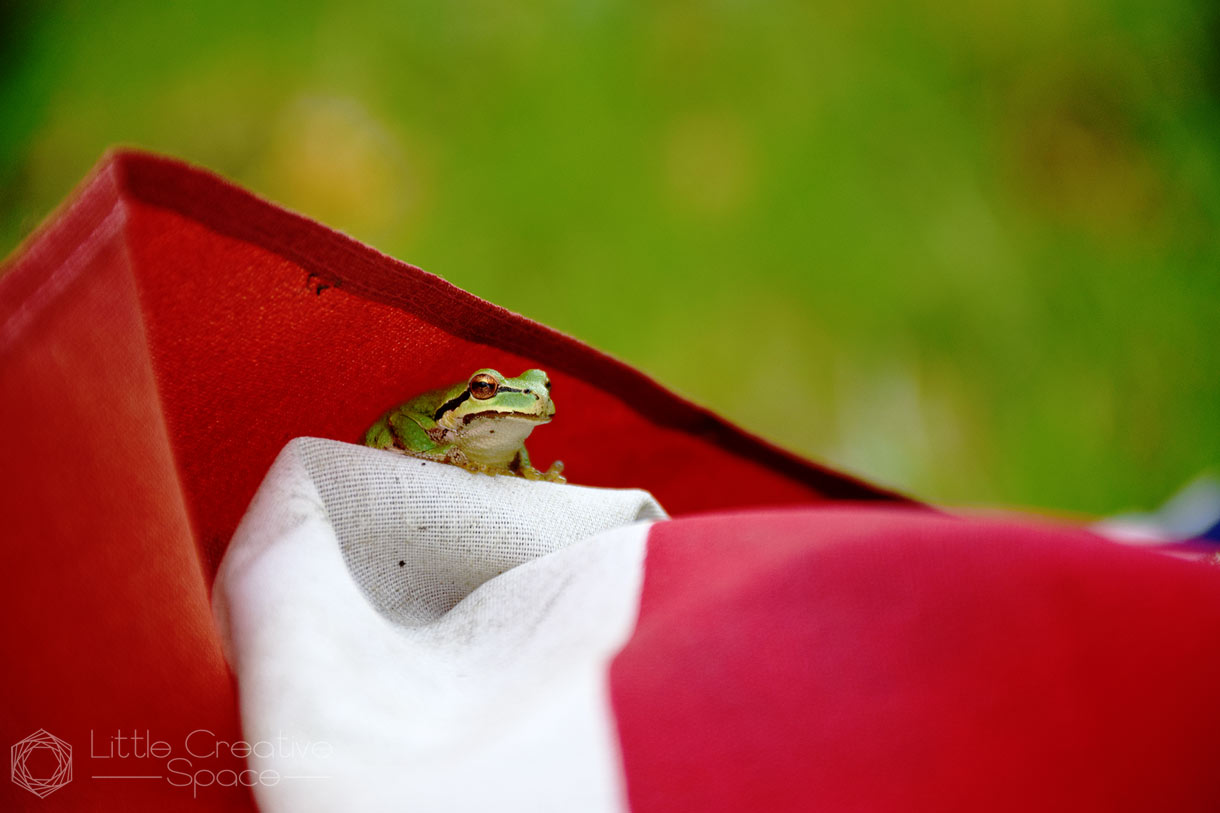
104 603
160 339
867 659
264 326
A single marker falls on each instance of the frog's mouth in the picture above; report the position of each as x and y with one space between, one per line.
505 416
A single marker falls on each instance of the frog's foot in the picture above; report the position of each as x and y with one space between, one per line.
481 468
444 454
431 458
551 475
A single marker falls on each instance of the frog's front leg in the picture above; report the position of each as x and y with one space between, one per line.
526 469
411 433
380 435
416 433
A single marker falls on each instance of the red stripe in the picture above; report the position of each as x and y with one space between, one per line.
873 659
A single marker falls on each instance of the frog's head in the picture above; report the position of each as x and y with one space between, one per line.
489 395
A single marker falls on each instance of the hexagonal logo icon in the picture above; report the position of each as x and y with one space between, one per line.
42 763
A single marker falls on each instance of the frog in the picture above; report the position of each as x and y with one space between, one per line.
479 423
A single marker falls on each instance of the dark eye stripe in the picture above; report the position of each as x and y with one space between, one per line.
451 404
454 403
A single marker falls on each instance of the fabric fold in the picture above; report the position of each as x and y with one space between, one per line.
409 635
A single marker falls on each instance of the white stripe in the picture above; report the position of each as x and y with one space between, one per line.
407 702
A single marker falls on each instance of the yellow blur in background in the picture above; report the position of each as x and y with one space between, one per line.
971 251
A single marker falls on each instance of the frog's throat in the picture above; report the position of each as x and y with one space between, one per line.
496 440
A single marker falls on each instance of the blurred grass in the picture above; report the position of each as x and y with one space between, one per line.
971 252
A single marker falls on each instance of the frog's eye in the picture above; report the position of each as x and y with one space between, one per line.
548 384
483 386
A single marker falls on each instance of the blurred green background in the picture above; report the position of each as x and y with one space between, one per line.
968 250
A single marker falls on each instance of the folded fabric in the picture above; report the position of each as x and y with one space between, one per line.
425 638
428 638
162 337
792 639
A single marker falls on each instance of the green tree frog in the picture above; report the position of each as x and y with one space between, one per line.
479 424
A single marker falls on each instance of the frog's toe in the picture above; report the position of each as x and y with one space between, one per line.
478 468
553 474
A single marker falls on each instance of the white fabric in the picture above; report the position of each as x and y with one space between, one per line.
473 675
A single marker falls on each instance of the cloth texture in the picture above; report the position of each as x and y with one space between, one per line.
446 635
461 642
